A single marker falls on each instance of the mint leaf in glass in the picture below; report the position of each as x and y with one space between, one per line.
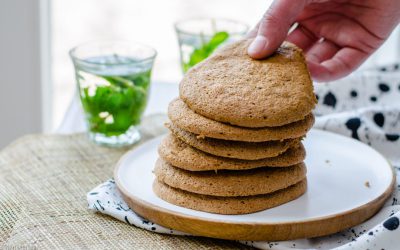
115 104
206 49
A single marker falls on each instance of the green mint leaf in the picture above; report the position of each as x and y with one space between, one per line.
206 49
216 40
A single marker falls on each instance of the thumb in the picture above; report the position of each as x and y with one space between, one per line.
274 26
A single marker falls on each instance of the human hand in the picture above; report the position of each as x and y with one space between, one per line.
337 36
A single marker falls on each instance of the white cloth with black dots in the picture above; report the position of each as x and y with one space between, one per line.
365 106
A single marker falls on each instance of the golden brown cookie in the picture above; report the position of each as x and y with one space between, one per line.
183 156
234 149
231 87
228 205
230 182
186 119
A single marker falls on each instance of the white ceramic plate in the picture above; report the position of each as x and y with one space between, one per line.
343 175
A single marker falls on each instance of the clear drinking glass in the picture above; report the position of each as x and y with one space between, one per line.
198 38
113 81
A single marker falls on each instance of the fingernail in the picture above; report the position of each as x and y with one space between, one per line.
258 45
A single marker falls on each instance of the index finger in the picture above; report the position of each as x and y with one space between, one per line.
274 27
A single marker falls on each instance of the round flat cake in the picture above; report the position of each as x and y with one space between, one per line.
231 87
228 205
186 119
183 156
230 182
234 149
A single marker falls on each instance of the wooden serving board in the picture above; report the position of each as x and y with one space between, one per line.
348 182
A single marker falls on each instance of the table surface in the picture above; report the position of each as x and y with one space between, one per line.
161 93
43 173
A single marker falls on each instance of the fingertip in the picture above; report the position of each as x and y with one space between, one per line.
258 48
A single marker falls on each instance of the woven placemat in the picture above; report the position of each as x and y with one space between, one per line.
43 184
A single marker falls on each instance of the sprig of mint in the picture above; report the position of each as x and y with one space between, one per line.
206 49
125 99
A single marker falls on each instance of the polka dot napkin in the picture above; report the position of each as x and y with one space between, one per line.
365 106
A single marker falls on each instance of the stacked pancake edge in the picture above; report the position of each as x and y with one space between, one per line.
234 145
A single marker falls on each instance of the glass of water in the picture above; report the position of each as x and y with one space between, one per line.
198 38
113 82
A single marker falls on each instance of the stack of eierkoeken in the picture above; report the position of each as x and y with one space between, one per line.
235 142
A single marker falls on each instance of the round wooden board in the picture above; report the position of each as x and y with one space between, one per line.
348 182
